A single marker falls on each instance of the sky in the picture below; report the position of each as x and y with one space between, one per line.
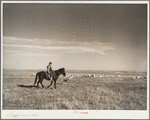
75 36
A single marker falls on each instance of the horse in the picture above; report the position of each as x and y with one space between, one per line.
43 75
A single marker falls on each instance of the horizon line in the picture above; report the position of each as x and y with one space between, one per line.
77 70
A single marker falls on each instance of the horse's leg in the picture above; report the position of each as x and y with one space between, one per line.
50 84
38 83
55 84
41 82
35 79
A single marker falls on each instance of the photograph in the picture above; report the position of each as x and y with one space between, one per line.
74 59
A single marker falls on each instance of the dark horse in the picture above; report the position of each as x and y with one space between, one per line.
43 75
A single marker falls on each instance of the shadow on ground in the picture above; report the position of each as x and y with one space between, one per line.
28 86
32 86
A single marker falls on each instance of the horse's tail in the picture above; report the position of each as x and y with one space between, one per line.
35 79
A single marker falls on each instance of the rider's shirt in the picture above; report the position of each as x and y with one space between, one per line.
49 70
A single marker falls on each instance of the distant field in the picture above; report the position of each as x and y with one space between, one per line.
89 93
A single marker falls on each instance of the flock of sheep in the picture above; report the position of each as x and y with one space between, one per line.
102 75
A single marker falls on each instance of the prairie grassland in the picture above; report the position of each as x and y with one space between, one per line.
107 93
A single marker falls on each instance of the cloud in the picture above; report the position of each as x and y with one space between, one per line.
23 44
47 49
25 53
40 42
25 41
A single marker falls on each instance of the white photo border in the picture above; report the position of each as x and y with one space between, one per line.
71 114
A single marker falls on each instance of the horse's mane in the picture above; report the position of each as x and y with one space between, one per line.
61 69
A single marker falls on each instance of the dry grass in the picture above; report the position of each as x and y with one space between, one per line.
79 93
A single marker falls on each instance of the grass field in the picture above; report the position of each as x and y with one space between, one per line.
91 93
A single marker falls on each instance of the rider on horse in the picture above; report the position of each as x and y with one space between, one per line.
49 70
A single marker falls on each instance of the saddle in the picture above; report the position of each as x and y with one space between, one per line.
47 76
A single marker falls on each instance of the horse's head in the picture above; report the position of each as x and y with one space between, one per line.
62 70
